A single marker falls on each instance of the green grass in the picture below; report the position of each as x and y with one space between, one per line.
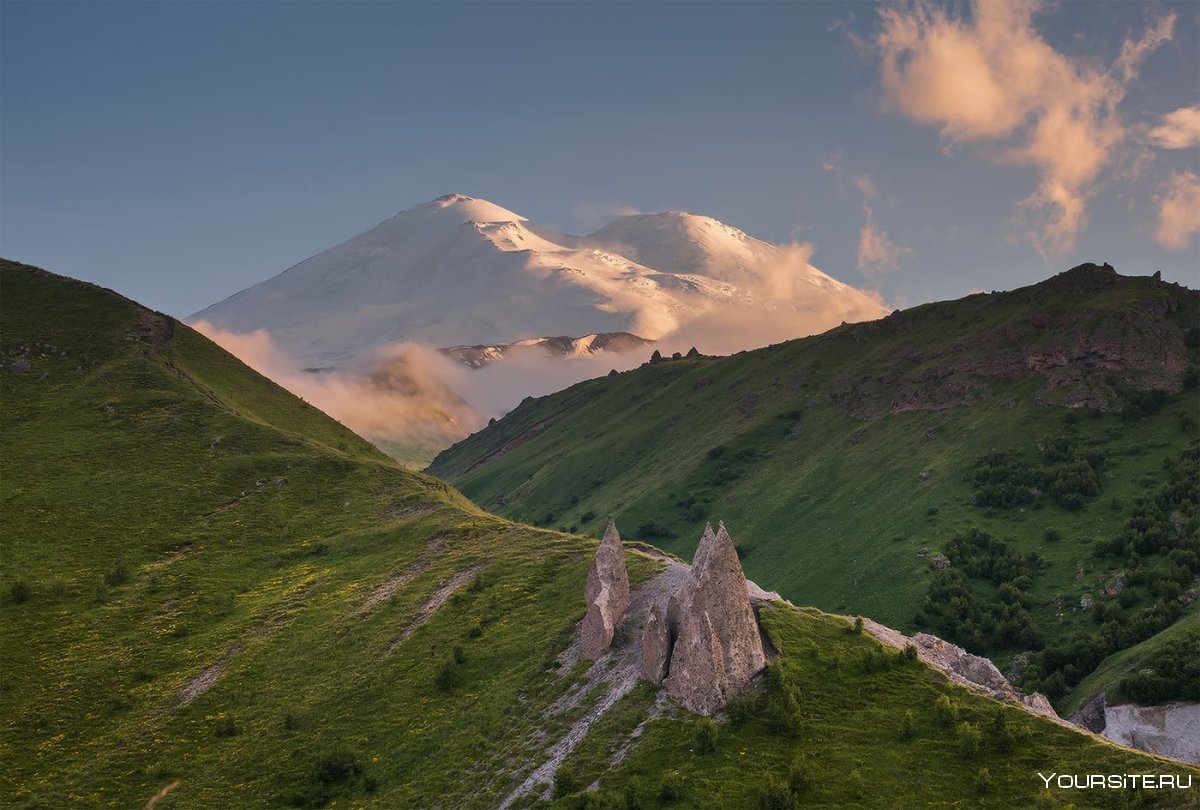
850 740
837 496
150 553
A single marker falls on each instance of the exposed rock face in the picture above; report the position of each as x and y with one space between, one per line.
1171 730
1091 714
656 646
716 647
606 595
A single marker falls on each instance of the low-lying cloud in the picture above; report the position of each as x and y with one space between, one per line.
400 394
991 80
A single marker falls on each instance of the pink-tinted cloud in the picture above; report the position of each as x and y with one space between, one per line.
877 253
1179 211
403 394
992 80
1179 129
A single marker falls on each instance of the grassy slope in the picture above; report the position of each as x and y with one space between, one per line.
154 552
830 510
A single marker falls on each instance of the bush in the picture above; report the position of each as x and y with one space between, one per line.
587 517
653 530
742 708
858 624
969 738
447 677
119 575
799 778
225 726
336 767
776 795
459 655
945 711
983 780
566 782
707 734
909 654
671 787
19 592
1053 535
908 725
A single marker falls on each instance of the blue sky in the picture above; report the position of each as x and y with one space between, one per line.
179 152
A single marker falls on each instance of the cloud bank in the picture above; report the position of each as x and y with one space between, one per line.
990 79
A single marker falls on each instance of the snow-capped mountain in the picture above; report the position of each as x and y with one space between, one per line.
460 271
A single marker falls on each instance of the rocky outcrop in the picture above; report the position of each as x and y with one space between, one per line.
960 666
606 595
656 646
1091 714
1170 730
707 647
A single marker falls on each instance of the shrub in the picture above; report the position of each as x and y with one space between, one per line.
858 624
336 767
799 778
671 787
983 780
776 795
19 592
1000 734
652 530
587 517
707 734
908 725
945 710
742 708
566 782
909 654
447 677
459 655
225 726
969 738
119 575
1053 535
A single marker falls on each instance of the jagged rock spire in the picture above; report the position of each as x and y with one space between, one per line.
717 647
606 595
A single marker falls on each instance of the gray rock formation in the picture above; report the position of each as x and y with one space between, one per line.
656 646
1170 730
710 631
606 595
960 666
1091 714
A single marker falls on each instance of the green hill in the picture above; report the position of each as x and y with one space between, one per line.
214 596
847 462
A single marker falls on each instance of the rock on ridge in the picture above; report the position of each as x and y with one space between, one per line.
716 647
606 595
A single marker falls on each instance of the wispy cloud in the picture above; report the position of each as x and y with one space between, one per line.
1179 129
990 79
877 253
1179 211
